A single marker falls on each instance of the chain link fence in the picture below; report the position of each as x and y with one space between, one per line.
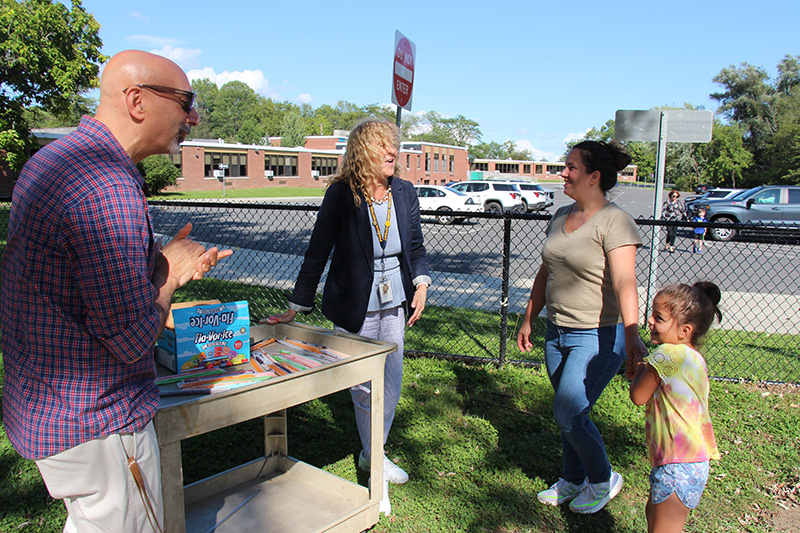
483 270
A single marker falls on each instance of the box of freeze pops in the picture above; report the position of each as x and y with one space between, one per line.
204 335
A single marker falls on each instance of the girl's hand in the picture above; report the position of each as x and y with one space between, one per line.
631 363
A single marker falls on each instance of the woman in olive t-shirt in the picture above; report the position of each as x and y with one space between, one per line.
588 283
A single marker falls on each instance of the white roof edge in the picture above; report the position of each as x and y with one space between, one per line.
236 146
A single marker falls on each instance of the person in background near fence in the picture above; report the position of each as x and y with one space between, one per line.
699 233
673 382
673 210
587 280
378 273
86 290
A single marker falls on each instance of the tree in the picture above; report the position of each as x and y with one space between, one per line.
726 157
235 104
205 104
251 132
748 101
464 131
48 55
506 151
764 112
38 117
458 131
293 130
159 173
785 144
484 150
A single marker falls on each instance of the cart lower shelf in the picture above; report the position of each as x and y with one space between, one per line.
294 497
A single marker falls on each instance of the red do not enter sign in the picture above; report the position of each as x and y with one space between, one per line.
403 78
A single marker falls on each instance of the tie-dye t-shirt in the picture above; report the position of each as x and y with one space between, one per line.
678 423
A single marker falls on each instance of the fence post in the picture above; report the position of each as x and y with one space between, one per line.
505 288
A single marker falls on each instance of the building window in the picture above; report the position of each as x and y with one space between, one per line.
326 166
281 165
507 168
418 162
436 162
452 163
427 162
482 166
526 169
176 160
408 161
539 169
555 168
237 164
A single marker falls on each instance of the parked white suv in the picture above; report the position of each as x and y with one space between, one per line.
533 197
495 196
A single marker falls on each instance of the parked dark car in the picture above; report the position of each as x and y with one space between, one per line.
769 208
711 194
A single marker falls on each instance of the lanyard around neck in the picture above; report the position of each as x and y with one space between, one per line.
382 239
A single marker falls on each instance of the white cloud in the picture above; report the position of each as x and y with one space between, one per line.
575 136
538 155
185 57
304 98
139 16
253 78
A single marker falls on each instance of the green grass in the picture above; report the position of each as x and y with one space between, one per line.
277 192
479 443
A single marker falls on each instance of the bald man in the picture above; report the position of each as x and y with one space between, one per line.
85 292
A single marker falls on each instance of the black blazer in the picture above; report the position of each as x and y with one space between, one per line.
347 230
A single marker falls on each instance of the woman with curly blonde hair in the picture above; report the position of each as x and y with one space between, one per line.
378 274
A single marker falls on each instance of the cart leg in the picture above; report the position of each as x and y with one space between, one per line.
172 488
376 443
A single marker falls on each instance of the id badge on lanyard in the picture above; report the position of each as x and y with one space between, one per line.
384 285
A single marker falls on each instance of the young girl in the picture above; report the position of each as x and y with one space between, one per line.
673 382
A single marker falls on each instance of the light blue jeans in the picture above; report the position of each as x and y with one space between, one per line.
580 363
386 325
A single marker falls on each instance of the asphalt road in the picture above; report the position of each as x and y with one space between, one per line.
466 259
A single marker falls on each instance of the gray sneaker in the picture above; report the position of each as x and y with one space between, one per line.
595 496
391 472
561 491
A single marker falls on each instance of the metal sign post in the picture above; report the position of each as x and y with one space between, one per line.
222 168
661 126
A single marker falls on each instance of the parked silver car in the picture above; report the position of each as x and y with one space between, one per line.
770 208
720 193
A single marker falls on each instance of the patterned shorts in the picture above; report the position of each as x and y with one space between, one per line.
686 480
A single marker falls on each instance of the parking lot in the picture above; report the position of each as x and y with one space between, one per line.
466 259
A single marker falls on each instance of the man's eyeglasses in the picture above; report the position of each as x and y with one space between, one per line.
186 97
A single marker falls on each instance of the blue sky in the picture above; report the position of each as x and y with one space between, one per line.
537 73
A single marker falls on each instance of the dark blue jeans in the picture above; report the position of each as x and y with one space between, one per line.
580 363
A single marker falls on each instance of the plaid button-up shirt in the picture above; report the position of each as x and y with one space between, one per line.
77 304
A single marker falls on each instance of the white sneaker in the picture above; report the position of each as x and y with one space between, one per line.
385 506
391 472
595 496
561 491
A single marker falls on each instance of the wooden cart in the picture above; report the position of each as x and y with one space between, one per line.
276 492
